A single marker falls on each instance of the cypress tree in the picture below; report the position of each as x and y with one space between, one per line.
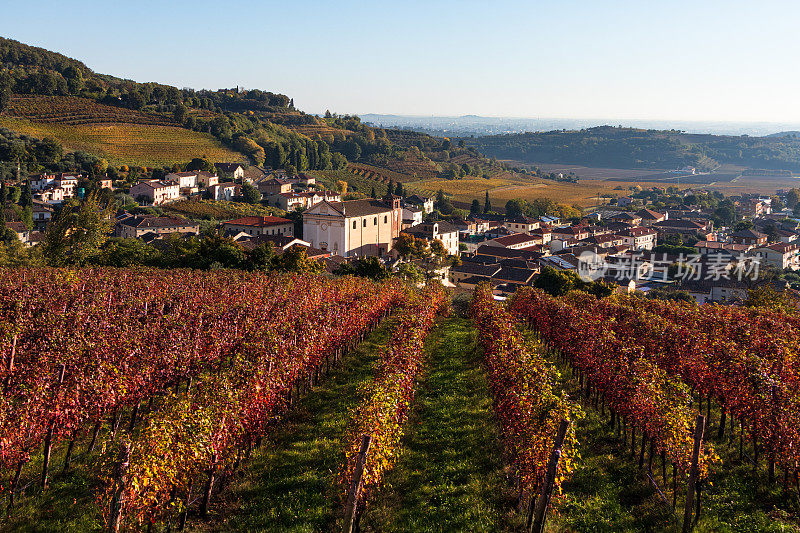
487 205
26 200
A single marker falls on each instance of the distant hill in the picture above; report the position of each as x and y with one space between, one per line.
793 134
608 146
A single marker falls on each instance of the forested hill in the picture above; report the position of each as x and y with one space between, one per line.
608 146
26 69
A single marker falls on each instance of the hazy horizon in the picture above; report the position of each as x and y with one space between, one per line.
465 125
676 61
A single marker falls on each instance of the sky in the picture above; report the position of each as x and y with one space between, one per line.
726 60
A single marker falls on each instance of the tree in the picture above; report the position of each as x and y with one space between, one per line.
295 259
200 163
475 208
487 205
557 282
406 245
410 272
5 97
251 194
372 194
179 114
368 267
399 189
261 258
515 208
14 194
77 234
792 198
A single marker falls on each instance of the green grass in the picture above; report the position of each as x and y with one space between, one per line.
450 477
607 492
289 483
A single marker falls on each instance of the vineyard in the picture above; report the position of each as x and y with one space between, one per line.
127 143
145 400
74 111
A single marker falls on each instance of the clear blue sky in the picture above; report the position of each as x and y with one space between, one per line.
670 59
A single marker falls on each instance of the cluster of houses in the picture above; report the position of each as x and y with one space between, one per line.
507 251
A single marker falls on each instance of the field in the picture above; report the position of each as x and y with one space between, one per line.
131 144
507 186
303 403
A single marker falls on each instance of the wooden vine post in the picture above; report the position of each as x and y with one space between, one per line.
118 499
543 501
699 428
48 438
355 487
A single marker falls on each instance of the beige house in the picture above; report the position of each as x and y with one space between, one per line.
156 192
355 228
522 224
207 179
260 226
138 226
274 186
67 182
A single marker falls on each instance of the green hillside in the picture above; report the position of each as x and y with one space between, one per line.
607 146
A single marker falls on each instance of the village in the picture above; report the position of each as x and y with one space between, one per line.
628 245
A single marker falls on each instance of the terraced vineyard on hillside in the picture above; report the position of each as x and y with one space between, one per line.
129 143
72 110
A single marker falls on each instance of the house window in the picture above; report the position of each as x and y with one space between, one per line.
385 219
364 223
354 224
375 221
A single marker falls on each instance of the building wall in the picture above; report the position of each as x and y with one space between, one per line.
130 232
281 229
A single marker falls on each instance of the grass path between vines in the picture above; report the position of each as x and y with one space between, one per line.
606 492
288 485
450 477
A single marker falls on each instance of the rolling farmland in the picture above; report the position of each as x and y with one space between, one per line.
506 186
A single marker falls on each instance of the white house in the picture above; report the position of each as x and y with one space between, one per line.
223 191
412 216
639 238
442 231
782 255
185 180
